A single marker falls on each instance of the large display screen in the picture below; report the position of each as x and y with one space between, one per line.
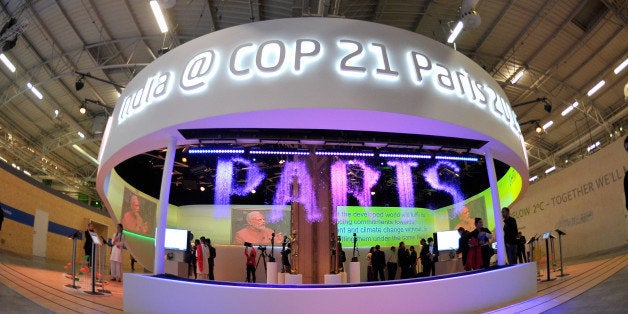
447 240
176 239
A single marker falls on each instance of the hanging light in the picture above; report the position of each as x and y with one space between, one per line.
83 109
79 83
538 128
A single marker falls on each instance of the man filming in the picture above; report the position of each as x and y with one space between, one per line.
250 253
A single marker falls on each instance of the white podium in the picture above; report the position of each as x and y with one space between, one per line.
332 279
271 272
294 279
281 278
354 272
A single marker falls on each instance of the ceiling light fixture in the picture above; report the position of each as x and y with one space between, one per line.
7 62
83 109
159 16
550 169
596 88
569 109
534 178
518 76
455 32
34 90
620 67
84 153
538 128
548 124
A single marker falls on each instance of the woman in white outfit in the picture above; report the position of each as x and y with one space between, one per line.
116 255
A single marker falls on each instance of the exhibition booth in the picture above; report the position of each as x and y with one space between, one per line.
311 137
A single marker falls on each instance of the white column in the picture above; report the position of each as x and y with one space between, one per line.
499 225
162 209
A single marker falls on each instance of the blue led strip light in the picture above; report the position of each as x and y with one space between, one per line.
457 158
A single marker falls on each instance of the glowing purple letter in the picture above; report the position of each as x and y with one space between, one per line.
431 177
340 187
403 170
225 186
306 195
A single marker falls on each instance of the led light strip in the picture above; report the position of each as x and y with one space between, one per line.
458 158
278 152
390 155
216 151
345 154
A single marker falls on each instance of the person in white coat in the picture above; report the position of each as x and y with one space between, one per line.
116 254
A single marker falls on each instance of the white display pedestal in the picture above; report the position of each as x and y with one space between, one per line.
354 272
294 279
281 278
271 272
333 279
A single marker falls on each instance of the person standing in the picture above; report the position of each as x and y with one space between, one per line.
1 217
403 258
510 236
116 254
379 262
479 246
205 259
413 262
199 258
425 258
250 253
521 248
369 265
463 245
87 246
210 259
391 264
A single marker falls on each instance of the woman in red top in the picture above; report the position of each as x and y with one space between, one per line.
250 263
199 256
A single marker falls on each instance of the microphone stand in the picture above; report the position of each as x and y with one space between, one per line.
355 249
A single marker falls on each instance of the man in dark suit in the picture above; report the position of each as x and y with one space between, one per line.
87 246
379 262
521 248
403 258
463 244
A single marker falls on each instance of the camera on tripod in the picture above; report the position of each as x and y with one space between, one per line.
248 244
261 248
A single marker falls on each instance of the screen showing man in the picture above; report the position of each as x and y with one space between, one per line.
139 216
255 231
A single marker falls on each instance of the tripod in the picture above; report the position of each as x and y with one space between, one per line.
262 257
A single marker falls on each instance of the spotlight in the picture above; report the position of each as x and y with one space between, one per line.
9 44
83 109
547 107
539 129
79 84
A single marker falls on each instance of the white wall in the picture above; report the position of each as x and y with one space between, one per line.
585 200
146 294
